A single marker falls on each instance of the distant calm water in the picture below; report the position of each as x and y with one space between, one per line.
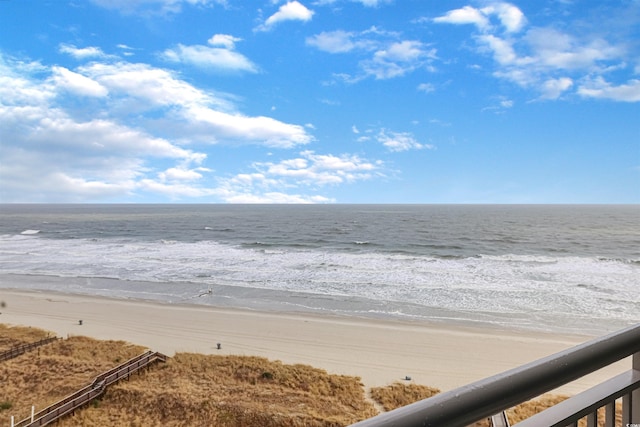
555 268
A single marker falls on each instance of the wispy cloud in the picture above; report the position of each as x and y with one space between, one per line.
366 3
154 7
76 83
549 61
300 175
81 53
598 87
400 141
426 87
384 55
220 55
391 140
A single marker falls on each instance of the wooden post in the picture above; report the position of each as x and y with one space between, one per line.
33 412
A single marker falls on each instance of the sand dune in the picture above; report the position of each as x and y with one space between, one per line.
380 352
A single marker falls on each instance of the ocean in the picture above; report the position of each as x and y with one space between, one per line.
555 268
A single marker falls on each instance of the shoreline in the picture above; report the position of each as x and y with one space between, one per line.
380 352
219 296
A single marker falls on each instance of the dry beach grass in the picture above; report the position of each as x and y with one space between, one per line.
190 389
197 390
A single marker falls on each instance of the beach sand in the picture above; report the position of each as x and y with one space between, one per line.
380 352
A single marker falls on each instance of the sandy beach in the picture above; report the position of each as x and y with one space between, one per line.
380 352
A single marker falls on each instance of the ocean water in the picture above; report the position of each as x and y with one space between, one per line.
535 267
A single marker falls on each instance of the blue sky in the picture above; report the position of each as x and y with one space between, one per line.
325 101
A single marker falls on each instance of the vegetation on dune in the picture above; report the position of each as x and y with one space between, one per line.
190 389
45 375
398 394
11 336
198 390
193 389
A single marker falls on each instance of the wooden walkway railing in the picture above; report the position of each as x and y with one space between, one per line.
23 348
85 395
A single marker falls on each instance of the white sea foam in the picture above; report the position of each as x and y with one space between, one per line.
29 232
493 286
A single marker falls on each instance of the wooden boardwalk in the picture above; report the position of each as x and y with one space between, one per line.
23 348
85 395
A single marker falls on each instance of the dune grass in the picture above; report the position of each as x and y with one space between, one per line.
11 336
50 373
197 390
399 394
190 389
193 389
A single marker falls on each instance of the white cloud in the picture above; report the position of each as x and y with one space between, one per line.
211 58
398 59
601 89
506 103
59 158
182 173
386 56
558 50
153 85
17 89
161 7
55 130
290 11
502 49
126 50
373 3
225 40
501 104
333 41
304 173
311 169
174 191
130 140
274 197
426 87
366 3
400 141
509 16
81 53
544 59
200 116
77 83
404 51
60 186
238 127
554 88
465 15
